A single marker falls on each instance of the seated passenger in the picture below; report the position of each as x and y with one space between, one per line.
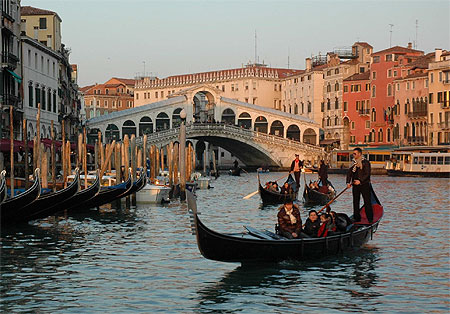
286 189
342 222
323 189
326 226
274 187
268 185
312 224
289 221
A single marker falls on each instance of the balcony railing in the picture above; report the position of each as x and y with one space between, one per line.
444 125
364 111
417 114
416 139
9 60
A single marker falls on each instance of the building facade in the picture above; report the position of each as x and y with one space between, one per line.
42 25
334 75
40 77
387 66
439 98
356 110
10 72
255 84
114 95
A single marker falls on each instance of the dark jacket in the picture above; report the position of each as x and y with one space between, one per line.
323 173
289 190
311 228
355 173
300 164
284 221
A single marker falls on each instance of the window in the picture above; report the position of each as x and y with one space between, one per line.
374 91
367 124
407 85
376 59
413 85
156 94
137 96
430 98
389 73
336 71
345 106
353 125
388 58
431 77
440 76
105 103
345 88
336 103
389 90
54 101
43 23
29 57
380 135
367 87
30 95
395 73
254 85
38 95
374 75
223 88
336 87
162 94
398 87
374 115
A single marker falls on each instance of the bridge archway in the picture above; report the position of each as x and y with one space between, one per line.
200 147
162 121
112 133
204 104
293 132
228 116
261 125
92 135
128 128
145 126
176 120
310 136
277 128
245 120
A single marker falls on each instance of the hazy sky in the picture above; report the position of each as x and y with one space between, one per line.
114 38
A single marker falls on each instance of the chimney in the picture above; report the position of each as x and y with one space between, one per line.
437 54
36 30
409 45
308 64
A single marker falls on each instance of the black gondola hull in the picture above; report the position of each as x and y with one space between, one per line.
312 197
270 197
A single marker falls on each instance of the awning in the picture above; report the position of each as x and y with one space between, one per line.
16 77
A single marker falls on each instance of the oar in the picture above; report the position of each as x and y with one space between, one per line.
332 200
250 195
244 170
282 177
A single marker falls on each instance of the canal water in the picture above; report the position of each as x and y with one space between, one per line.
146 260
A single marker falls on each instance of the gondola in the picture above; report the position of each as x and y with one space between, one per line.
106 195
236 172
271 197
79 197
312 197
10 206
3 188
46 202
265 246
138 184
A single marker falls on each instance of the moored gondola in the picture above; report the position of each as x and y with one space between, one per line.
313 197
46 202
138 184
106 195
10 206
271 197
3 188
79 197
268 247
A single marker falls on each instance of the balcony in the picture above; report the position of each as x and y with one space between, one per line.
445 104
417 114
12 100
9 60
419 140
364 112
444 125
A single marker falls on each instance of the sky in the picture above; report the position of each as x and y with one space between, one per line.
111 38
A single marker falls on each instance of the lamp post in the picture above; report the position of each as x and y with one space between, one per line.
182 140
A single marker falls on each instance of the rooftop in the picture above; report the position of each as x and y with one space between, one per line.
397 49
359 76
29 10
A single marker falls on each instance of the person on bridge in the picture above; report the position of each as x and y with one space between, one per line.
296 167
358 176
289 221
323 172
236 164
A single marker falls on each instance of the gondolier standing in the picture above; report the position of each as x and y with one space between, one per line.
358 176
296 167
323 173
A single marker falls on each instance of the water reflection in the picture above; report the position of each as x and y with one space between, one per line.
352 275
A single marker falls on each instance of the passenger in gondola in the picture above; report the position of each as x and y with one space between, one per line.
314 186
312 224
274 187
287 189
326 226
323 188
289 221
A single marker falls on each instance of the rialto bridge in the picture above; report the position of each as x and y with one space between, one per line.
254 134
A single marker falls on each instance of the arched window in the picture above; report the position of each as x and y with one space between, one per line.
374 115
112 133
380 135
277 128
245 121
296 109
261 124
145 126
176 120
162 121
336 120
228 116
128 128
293 132
388 135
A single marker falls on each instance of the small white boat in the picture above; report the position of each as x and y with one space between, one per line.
153 194
203 183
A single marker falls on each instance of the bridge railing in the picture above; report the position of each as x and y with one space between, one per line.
164 134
